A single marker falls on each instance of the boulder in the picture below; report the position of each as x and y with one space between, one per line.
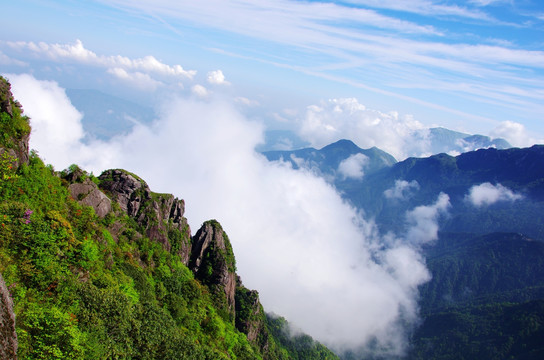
88 193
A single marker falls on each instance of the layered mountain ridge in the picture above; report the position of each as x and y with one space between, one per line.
486 295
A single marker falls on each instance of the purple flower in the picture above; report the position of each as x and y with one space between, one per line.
26 216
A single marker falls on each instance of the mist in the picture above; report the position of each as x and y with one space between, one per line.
313 258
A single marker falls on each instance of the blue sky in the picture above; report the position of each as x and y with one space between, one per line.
475 66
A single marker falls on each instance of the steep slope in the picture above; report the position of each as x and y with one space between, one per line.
485 299
497 267
98 268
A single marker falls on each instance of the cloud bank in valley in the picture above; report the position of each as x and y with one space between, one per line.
353 166
313 258
487 194
402 190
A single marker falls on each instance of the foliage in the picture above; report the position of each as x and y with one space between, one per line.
484 300
14 126
299 346
80 293
493 331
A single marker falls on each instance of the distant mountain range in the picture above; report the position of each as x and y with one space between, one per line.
486 296
105 116
521 171
327 161
446 141
436 140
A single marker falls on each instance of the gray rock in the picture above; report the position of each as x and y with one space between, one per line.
212 261
88 193
8 336
161 215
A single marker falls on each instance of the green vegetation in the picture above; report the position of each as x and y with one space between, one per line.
13 124
493 331
485 300
86 287
80 294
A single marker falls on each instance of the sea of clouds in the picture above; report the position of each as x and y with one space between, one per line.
313 258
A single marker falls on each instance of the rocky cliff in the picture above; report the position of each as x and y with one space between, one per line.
212 261
159 215
8 337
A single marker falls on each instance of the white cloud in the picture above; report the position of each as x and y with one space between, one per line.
515 133
138 79
348 119
353 166
146 69
487 194
199 91
6 60
423 220
216 77
402 190
53 118
296 241
247 102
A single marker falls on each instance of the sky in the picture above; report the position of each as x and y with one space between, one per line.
474 66
220 73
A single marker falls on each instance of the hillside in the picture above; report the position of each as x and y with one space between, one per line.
103 267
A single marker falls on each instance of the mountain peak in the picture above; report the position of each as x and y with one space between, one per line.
343 144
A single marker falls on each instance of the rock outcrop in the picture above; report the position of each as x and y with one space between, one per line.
89 194
212 261
250 317
84 190
8 336
160 215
